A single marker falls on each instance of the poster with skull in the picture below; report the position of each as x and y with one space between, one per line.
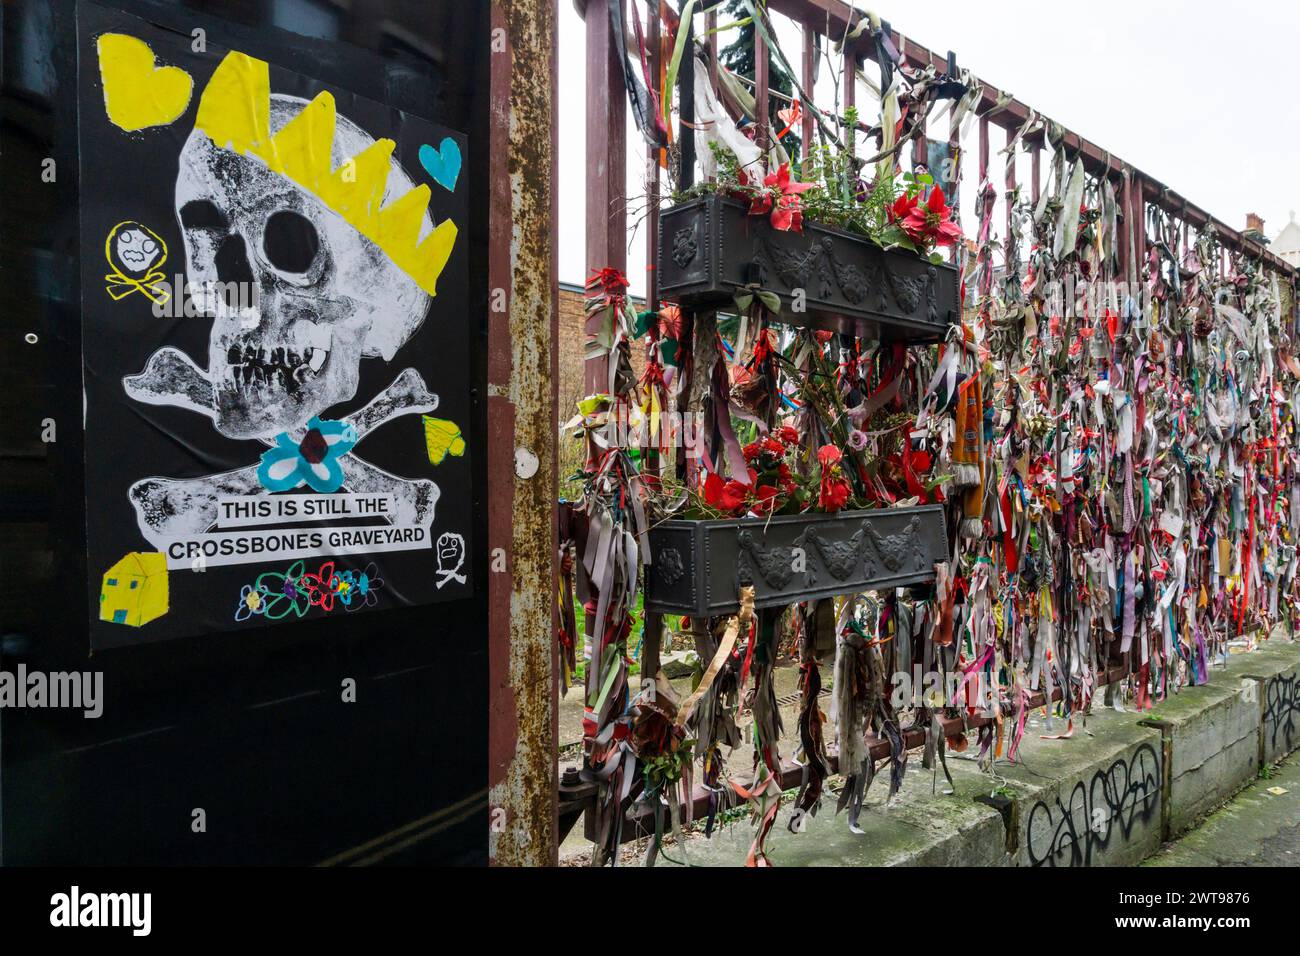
275 342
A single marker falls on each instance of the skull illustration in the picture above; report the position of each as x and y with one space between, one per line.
136 249
325 296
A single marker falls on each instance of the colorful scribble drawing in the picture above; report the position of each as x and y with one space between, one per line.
359 589
251 601
277 594
280 593
137 92
136 255
345 256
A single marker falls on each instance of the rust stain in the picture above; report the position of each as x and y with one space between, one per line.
523 780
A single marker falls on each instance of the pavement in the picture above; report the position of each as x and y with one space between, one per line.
1259 827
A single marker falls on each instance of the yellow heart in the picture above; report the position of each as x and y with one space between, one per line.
136 93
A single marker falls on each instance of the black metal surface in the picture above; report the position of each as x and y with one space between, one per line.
698 567
710 247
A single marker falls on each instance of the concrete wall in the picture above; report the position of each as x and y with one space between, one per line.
1096 799
1212 733
1125 782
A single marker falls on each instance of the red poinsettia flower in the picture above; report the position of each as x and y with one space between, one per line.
781 199
765 500
902 208
926 224
727 496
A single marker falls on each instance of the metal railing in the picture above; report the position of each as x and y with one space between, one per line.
826 24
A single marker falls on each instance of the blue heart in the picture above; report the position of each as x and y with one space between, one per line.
443 164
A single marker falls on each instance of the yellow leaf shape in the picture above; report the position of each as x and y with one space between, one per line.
137 93
442 438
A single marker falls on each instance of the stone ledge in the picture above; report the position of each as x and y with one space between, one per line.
921 826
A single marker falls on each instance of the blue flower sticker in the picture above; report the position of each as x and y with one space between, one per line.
313 461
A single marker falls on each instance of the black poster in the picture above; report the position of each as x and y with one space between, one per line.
275 342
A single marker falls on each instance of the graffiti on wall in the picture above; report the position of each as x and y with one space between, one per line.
1072 830
1281 707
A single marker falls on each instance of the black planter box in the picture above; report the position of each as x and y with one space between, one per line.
710 247
697 567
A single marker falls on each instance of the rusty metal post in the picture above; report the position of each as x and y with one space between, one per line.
522 400
1124 201
1010 200
762 95
653 624
606 162
987 197
806 78
850 82
1139 250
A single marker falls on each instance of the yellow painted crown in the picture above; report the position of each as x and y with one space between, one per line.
235 112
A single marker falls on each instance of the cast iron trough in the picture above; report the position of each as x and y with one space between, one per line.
697 567
711 247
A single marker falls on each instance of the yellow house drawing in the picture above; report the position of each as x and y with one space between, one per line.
134 591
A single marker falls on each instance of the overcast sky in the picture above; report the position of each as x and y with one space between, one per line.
1202 96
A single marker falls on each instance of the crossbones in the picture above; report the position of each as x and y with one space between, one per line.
326 297
168 508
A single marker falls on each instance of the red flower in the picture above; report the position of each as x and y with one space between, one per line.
751 451
728 496
902 208
926 224
834 491
788 212
788 434
772 445
834 494
765 500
